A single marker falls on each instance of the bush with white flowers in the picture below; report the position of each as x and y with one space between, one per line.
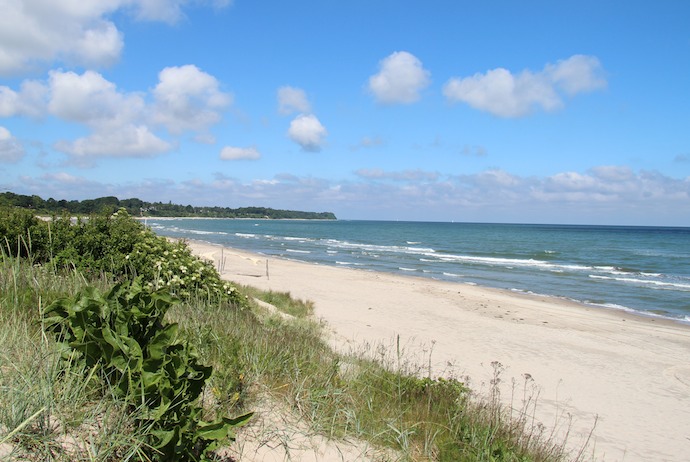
171 265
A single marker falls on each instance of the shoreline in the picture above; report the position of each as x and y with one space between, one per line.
622 373
567 276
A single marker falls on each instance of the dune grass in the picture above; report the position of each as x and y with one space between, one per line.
52 412
49 411
385 401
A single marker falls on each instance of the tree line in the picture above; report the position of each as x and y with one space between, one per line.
138 207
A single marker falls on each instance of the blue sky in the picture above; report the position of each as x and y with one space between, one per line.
534 111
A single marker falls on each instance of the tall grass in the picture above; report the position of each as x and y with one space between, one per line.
48 411
258 355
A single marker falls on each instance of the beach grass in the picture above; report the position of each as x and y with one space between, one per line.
379 398
49 411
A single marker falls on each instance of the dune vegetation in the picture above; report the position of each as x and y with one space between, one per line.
117 344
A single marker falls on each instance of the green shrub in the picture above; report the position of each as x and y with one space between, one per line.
122 335
22 234
94 245
117 246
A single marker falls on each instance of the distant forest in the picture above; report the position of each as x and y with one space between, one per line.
137 207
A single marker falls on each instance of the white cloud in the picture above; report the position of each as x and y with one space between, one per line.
498 178
117 119
501 93
11 149
236 153
35 31
92 100
126 141
590 197
64 178
38 32
613 173
400 79
188 99
504 94
291 100
99 45
86 98
169 11
604 194
570 181
30 101
406 175
577 74
307 131
121 123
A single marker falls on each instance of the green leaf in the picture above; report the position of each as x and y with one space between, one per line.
239 421
163 438
215 430
162 340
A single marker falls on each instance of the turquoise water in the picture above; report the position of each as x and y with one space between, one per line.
645 269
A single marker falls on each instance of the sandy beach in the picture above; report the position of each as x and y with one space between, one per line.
625 377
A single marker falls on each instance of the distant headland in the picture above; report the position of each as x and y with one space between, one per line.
137 207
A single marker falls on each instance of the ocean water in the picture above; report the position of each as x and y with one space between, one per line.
643 269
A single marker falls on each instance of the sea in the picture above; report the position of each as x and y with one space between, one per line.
639 269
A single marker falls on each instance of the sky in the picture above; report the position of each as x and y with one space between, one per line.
574 112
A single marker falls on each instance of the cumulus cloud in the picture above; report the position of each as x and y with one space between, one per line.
236 153
291 100
577 74
38 32
92 100
307 131
400 79
505 94
125 141
42 31
11 149
188 99
122 124
118 120
30 100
